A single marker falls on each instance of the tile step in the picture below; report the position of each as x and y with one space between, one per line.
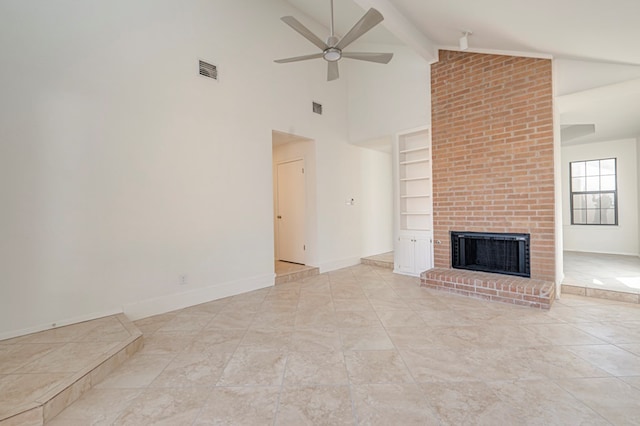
41 408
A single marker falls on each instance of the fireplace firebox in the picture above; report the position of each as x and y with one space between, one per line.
491 252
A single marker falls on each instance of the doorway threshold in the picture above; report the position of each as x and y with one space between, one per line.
287 272
604 276
600 293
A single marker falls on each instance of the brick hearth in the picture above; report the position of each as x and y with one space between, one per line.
495 287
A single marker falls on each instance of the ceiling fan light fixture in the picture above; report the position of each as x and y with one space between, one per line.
332 54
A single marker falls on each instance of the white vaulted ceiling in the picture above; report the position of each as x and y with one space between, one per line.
597 42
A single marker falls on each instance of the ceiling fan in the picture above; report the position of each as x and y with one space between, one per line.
332 50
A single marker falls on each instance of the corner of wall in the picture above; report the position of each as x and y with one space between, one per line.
557 167
638 176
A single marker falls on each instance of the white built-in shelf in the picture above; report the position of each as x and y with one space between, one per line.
420 160
420 148
415 178
413 202
416 196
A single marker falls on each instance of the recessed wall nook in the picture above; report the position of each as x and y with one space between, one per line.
414 224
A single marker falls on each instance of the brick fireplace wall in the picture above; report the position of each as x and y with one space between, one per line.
493 152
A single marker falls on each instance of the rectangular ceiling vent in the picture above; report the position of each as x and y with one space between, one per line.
208 70
317 108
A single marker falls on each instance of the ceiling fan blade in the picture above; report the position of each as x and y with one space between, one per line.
381 58
332 71
299 58
368 21
304 31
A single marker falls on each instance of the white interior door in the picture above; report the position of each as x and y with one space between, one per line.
291 211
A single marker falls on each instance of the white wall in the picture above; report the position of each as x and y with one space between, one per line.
621 239
387 99
377 203
121 168
576 76
383 101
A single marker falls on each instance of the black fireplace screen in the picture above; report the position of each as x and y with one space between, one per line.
491 252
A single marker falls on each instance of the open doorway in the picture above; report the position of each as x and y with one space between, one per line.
294 195
600 253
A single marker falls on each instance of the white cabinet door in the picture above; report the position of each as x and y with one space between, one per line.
404 255
422 251
413 254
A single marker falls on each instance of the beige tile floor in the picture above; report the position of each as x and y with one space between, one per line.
364 346
36 368
602 271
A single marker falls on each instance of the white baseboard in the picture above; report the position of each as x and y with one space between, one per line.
603 252
410 274
171 302
338 264
58 323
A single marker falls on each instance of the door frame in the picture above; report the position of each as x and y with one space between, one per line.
277 204
287 146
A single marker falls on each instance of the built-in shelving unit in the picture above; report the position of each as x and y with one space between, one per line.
414 174
413 247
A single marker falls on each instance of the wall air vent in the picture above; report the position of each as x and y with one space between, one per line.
208 70
317 108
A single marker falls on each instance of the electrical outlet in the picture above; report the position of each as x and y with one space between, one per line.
182 279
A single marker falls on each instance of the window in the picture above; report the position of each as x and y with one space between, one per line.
594 197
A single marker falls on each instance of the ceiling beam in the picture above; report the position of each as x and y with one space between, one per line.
400 27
